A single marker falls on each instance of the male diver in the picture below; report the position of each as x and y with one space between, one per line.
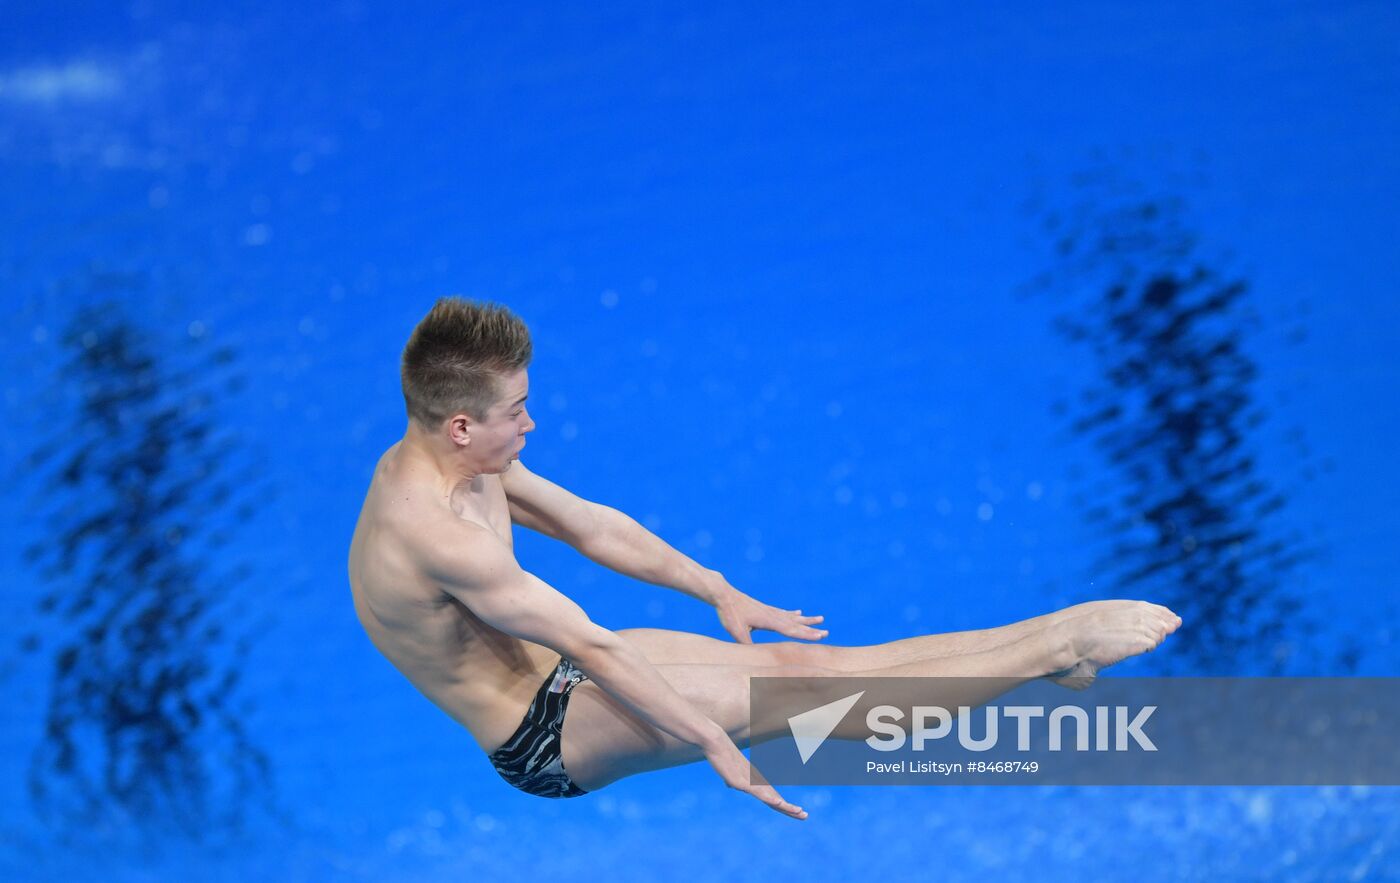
438 589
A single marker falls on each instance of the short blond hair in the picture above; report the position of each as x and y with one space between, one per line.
456 356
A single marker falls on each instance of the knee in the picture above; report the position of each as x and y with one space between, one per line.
799 689
796 653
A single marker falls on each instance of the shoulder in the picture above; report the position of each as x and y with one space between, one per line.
455 553
408 526
517 477
541 505
523 487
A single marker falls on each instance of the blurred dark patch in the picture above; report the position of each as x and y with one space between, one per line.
1188 517
137 489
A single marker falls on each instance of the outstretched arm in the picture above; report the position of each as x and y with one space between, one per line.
616 541
476 568
622 544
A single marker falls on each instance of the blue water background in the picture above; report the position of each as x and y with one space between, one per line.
769 257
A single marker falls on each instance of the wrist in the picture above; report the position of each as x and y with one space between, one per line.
715 589
715 739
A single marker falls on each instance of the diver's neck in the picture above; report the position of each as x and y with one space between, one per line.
449 472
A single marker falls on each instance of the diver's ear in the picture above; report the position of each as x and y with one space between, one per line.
459 429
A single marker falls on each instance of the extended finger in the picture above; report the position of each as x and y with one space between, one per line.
789 629
775 800
806 631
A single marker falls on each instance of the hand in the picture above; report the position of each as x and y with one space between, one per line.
734 769
740 614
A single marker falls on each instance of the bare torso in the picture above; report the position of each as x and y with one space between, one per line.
481 676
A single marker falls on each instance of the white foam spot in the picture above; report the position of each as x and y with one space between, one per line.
1259 810
78 80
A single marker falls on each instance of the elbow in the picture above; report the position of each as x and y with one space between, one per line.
590 645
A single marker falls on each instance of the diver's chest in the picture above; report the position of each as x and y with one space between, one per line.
490 509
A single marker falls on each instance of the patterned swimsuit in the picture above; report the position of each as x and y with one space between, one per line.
531 760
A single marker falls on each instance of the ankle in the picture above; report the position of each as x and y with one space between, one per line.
1059 651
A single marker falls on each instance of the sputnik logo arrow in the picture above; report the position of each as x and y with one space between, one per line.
810 728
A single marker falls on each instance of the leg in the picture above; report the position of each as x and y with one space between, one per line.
665 646
603 741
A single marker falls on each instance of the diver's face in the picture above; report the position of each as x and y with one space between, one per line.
509 420
493 443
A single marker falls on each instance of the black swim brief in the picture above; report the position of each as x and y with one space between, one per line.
531 760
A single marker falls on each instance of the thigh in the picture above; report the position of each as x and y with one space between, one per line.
670 647
603 740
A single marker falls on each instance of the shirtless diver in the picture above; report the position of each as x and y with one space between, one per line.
437 588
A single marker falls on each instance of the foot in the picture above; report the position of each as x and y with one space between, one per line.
1038 624
1105 632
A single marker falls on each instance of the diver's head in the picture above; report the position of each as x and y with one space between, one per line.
465 381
